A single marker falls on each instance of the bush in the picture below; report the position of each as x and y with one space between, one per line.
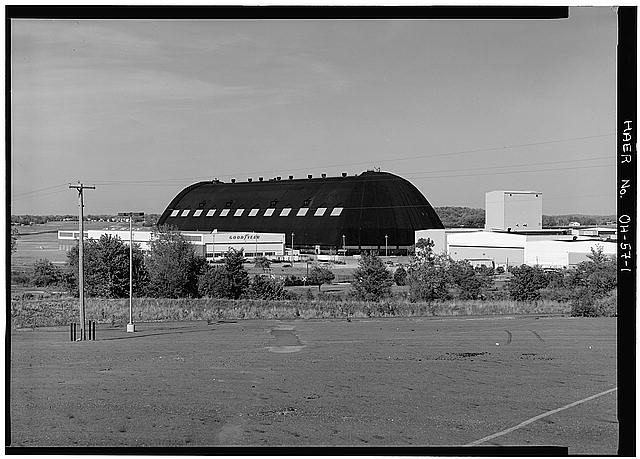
372 281
427 276
471 283
106 268
230 280
262 263
607 306
400 276
20 278
320 275
172 265
594 285
45 273
265 288
293 280
526 282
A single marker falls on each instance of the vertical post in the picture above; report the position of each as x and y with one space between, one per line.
80 187
292 234
81 263
131 326
130 273
386 246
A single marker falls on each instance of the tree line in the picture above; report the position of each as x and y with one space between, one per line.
171 269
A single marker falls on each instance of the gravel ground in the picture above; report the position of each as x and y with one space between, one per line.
421 381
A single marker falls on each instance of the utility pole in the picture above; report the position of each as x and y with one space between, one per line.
80 187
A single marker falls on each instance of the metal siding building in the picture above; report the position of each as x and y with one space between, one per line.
513 210
319 212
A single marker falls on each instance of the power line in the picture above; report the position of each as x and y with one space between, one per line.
505 147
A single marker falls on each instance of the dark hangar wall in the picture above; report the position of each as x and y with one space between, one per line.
374 204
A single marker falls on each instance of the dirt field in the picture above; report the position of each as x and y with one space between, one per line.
364 382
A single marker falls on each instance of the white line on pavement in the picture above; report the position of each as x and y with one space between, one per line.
540 416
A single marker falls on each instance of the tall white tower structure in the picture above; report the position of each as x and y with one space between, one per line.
513 211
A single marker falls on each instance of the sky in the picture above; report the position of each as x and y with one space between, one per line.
142 109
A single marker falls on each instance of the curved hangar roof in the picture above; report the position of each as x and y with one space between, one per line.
363 208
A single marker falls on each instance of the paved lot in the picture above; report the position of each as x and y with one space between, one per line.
419 381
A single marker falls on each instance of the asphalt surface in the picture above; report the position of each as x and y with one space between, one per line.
420 381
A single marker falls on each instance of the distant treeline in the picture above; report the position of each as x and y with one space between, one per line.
461 217
149 219
467 217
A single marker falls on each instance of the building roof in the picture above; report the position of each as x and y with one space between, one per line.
319 211
486 239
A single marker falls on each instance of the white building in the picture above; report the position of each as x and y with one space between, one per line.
211 245
510 249
513 210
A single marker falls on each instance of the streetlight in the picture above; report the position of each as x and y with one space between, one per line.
131 326
344 246
292 234
386 246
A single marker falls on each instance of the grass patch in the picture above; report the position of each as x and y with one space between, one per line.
26 312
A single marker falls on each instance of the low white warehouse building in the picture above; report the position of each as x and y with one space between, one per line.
211 245
509 249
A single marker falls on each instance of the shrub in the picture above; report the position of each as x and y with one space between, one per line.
262 262
230 280
400 276
594 284
427 276
172 265
265 288
45 273
526 282
372 281
213 282
106 268
471 282
293 280
320 275
18 277
607 305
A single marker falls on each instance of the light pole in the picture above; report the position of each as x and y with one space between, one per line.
344 246
292 234
386 246
131 326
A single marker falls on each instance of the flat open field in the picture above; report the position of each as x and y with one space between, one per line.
41 241
421 381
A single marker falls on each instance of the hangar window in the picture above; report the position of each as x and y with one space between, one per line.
302 212
336 211
197 213
285 212
224 212
253 212
320 211
268 212
185 213
175 213
238 213
210 212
